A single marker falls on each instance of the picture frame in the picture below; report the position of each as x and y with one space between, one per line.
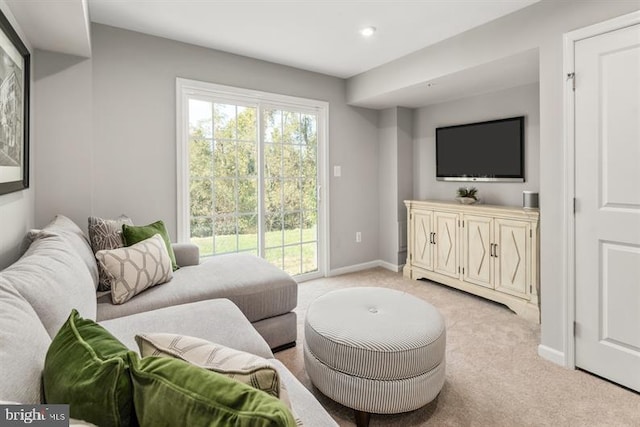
15 62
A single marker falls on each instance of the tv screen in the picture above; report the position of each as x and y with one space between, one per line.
486 151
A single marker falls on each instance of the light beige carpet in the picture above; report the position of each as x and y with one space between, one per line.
494 374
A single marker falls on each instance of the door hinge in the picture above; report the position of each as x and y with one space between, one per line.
458 269
574 205
530 289
572 77
575 327
463 271
530 233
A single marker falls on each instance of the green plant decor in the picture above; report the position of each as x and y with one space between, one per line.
468 192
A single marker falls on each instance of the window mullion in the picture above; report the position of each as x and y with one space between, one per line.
261 166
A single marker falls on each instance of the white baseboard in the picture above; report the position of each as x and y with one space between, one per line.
550 354
389 266
365 266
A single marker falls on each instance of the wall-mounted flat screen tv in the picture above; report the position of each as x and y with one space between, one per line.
485 151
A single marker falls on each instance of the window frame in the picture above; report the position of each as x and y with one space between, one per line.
189 89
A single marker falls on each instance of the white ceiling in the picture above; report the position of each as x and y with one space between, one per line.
315 35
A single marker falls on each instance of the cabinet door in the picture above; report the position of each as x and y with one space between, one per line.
512 260
422 249
446 243
477 258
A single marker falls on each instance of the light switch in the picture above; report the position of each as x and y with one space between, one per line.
337 171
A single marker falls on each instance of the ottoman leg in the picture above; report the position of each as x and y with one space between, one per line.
362 418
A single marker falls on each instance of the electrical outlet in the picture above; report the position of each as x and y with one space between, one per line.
358 237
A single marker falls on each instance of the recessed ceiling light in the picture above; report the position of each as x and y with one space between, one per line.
368 31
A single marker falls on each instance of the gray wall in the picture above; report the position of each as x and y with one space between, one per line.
395 167
387 184
123 159
541 26
405 176
64 160
520 101
17 209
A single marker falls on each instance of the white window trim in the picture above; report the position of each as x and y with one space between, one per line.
186 88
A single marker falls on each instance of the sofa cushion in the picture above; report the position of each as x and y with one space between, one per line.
173 392
106 234
309 410
133 234
217 320
23 346
87 368
241 366
186 254
74 236
253 284
134 268
53 279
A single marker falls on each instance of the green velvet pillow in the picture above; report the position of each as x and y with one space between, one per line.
133 234
172 392
87 368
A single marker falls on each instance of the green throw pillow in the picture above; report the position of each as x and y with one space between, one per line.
172 392
87 368
133 234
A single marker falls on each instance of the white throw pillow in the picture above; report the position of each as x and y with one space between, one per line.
134 268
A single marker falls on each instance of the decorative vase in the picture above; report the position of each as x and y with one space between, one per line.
466 200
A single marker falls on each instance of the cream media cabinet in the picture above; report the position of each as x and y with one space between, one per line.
489 251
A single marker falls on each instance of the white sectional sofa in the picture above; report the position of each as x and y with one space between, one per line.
236 300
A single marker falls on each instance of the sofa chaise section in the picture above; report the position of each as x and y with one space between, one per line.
265 294
219 321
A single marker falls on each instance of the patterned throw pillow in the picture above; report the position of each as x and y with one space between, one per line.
135 268
241 366
106 234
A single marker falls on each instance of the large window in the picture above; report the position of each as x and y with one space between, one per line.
250 173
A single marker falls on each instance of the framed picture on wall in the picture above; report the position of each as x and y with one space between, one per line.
14 110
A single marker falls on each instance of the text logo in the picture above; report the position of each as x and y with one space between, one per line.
34 415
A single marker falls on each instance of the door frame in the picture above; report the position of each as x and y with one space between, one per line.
569 240
185 88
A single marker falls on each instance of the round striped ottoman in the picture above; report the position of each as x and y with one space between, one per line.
375 350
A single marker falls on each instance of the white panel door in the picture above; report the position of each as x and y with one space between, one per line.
423 239
477 246
511 257
607 222
446 243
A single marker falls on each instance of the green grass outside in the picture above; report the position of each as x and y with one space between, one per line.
288 259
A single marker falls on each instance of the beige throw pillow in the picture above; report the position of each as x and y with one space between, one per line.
135 268
241 366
